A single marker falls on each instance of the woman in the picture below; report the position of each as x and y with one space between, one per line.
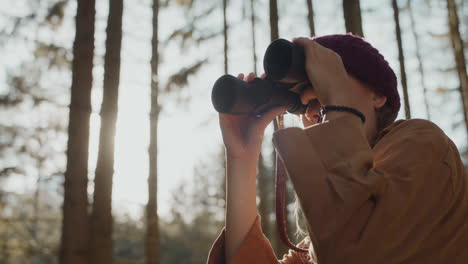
372 190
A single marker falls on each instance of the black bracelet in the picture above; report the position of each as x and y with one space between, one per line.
327 108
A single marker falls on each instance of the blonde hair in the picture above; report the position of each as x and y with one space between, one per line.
301 229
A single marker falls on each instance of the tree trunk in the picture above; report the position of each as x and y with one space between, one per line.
222 188
274 33
225 35
276 242
224 182
420 61
32 250
401 58
252 22
75 227
5 246
152 221
290 203
278 245
101 218
457 45
310 17
264 189
352 16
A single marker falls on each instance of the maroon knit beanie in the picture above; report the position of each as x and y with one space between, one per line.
366 64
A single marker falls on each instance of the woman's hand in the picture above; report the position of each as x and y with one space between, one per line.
243 134
327 74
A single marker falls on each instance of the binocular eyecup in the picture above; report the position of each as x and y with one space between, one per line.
284 61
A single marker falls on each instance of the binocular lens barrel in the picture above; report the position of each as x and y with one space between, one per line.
284 64
235 96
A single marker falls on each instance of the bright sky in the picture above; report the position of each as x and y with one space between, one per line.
188 132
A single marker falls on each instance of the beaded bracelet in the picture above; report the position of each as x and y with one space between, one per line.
327 108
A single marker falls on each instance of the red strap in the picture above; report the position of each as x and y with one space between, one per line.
281 214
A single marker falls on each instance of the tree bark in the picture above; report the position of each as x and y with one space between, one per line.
420 61
264 183
36 203
252 22
152 221
278 245
310 17
274 33
223 182
32 250
101 218
401 59
5 247
264 189
75 227
225 35
290 203
352 16
458 52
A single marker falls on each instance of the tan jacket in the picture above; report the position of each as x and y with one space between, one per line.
403 201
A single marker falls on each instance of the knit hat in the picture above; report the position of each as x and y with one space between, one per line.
366 64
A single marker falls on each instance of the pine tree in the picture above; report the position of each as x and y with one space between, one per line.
458 52
401 58
152 220
274 32
352 16
310 17
278 245
252 24
420 60
264 190
225 35
101 218
75 229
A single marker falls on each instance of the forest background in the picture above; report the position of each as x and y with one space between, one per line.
122 146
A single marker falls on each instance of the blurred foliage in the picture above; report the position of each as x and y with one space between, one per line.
56 56
33 137
56 13
26 237
196 218
191 32
180 78
194 30
197 215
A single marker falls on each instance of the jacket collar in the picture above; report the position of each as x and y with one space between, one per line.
386 130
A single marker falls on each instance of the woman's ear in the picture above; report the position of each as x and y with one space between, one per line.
378 100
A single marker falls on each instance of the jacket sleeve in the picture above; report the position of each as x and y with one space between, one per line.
356 200
255 249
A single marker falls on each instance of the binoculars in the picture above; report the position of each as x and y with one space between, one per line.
284 65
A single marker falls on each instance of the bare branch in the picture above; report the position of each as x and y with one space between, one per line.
180 79
439 35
